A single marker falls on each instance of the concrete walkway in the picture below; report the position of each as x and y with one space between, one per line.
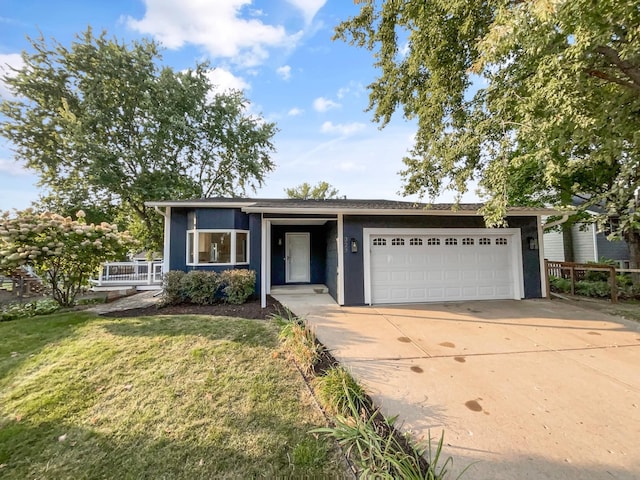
138 300
527 389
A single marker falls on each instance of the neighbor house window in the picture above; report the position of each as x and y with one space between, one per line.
214 247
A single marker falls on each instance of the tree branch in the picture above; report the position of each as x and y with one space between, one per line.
630 70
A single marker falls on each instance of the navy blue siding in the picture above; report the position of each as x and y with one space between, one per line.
178 238
354 263
211 218
331 269
317 234
612 250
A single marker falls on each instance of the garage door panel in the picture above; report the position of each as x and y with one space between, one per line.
408 269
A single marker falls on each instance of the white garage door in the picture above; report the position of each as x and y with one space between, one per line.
442 265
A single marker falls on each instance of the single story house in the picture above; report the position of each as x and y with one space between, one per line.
365 251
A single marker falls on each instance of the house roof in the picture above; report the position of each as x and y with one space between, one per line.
333 206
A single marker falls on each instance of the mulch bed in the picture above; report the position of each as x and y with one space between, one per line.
250 309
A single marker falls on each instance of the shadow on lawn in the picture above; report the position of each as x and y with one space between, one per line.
59 450
26 337
242 331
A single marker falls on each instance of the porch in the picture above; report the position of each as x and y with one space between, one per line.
141 275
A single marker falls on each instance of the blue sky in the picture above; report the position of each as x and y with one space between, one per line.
279 52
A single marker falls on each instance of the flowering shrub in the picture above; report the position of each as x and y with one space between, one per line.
64 252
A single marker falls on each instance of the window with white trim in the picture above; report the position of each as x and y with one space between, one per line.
379 242
217 247
501 241
451 241
484 241
397 241
467 241
433 241
415 242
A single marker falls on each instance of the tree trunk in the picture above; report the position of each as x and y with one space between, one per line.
633 240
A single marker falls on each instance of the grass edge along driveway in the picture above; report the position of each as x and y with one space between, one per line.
154 397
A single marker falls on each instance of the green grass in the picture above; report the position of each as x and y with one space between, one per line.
154 397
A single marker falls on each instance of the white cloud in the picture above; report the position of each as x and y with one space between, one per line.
12 167
322 104
354 87
342 128
295 111
284 72
12 60
309 8
351 166
223 80
221 27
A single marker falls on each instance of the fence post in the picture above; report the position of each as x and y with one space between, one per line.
614 285
572 274
149 273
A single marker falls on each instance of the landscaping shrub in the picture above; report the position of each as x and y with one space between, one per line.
560 285
238 285
331 388
14 311
172 293
204 287
201 287
300 343
596 289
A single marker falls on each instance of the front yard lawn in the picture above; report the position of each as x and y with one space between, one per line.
154 397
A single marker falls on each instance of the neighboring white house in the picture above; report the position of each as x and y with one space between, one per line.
588 246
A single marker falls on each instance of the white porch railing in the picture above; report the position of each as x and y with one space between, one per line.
130 273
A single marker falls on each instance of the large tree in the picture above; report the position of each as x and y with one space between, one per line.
538 101
320 191
104 124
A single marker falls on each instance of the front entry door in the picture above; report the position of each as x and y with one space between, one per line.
298 258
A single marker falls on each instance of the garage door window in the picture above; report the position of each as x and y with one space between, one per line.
451 241
484 241
379 242
433 241
467 241
415 241
397 241
501 241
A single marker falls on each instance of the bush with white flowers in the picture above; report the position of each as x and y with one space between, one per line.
66 253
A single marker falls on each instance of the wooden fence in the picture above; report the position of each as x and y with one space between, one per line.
577 271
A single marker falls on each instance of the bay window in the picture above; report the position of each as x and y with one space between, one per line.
217 247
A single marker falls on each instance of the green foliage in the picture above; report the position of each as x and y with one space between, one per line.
106 126
561 285
238 285
15 311
201 287
301 344
597 289
377 450
331 387
208 287
66 253
537 101
304 191
172 293
309 453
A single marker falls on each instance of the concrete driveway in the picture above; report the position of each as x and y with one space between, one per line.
527 389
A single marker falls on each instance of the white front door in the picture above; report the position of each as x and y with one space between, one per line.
298 268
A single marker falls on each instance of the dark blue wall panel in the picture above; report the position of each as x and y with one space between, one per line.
317 234
331 269
178 238
354 263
